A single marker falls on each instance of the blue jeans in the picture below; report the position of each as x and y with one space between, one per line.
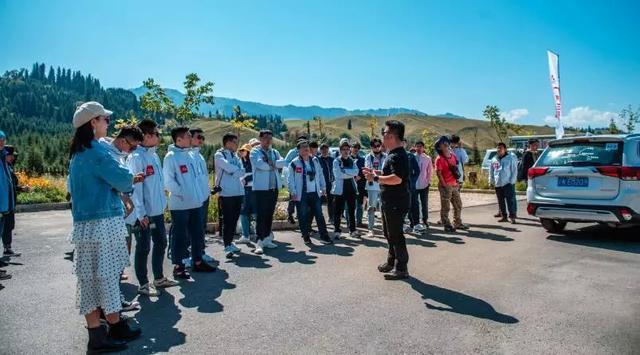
374 205
143 245
309 205
186 224
414 217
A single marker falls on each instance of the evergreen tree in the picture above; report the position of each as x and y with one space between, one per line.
349 126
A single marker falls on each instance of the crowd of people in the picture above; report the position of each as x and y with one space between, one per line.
120 191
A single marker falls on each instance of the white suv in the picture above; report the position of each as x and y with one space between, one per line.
586 179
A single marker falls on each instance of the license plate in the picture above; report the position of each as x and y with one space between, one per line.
573 181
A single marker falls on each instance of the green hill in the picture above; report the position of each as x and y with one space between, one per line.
415 125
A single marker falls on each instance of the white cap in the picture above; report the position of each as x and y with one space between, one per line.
88 110
344 141
254 141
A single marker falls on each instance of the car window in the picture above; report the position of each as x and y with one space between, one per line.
582 154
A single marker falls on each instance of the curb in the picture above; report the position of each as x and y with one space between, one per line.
41 207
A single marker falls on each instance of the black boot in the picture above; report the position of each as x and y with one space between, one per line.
100 342
123 331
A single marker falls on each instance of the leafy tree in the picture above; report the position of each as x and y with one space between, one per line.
156 101
475 152
373 125
35 161
613 127
307 124
318 119
630 118
429 138
498 122
365 140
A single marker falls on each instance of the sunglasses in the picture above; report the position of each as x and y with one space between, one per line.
199 137
107 119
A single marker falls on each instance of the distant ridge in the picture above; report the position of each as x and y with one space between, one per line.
225 106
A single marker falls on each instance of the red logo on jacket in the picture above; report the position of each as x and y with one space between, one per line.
149 170
298 170
183 169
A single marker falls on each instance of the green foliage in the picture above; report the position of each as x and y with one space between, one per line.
429 139
156 101
365 141
630 118
35 162
613 127
476 158
498 122
349 125
521 186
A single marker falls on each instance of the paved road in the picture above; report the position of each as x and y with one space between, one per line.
496 289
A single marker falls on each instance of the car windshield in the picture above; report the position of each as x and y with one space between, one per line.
582 154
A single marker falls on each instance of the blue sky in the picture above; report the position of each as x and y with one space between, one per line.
445 56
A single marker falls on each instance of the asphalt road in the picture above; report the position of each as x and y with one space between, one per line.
495 289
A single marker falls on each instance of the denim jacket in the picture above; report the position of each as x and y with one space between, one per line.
95 183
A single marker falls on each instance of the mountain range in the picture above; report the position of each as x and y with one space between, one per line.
224 105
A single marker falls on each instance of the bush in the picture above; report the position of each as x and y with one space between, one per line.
40 190
521 186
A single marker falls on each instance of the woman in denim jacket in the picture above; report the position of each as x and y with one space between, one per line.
95 183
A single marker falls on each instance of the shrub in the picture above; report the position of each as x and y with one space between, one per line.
40 190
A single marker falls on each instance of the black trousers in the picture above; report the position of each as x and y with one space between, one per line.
349 197
266 207
507 193
291 207
392 221
419 202
9 221
231 207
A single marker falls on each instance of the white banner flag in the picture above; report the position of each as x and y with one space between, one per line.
555 88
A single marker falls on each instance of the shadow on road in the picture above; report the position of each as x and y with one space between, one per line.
202 293
285 254
599 236
458 302
249 260
158 320
473 233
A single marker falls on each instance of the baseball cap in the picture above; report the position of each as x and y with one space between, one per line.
344 141
2 135
254 141
88 110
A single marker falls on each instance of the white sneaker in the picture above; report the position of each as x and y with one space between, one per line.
187 262
233 248
354 235
165 282
268 244
269 238
420 227
148 290
408 229
243 240
370 234
258 250
207 258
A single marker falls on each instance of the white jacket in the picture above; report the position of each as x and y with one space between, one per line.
343 176
203 174
148 196
229 172
262 170
295 181
181 179
371 162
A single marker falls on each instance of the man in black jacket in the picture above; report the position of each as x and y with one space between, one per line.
528 159
361 183
326 162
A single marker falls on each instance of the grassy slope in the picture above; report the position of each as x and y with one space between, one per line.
214 130
415 125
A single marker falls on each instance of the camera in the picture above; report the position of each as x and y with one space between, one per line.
216 189
312 175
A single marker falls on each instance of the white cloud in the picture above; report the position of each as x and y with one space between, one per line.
584 116
515 114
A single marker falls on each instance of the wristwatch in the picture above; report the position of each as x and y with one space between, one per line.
376 178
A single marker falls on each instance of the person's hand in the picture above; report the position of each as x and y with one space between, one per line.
137 178
144 223
358 178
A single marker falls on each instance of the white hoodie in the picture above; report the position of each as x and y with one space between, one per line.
181 179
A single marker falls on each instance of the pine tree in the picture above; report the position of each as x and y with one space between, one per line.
349 126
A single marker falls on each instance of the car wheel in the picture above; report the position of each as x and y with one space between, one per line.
553 226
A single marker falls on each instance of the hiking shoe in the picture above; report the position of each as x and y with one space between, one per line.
180 272
148 290
130 306
386 267
203 267
9 252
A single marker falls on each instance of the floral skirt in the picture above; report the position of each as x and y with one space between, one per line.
100 257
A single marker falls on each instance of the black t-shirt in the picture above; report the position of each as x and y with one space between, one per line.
397 163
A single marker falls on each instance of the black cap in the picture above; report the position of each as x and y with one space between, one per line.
11 150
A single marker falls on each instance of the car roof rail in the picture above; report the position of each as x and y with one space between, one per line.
633 135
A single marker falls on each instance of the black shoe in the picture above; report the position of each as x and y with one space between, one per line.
503 219
3 263
9 252
449 228
513 220
180 272
202 267
307 240
397 275
291 219
497 215
123 331
386 267
100 342
326 240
